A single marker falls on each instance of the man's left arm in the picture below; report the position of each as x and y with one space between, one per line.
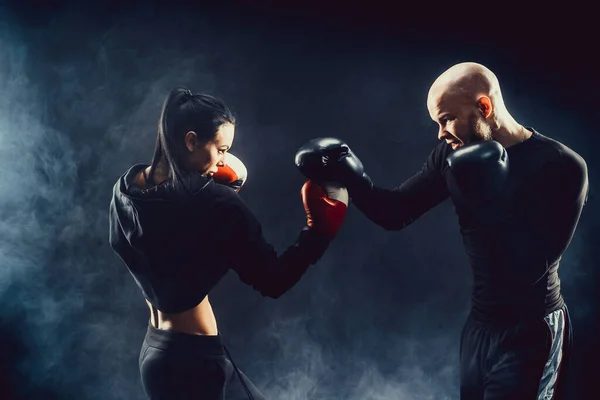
565 195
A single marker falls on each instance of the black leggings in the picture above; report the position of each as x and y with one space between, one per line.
179 366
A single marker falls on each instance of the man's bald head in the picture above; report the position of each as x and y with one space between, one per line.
465 82
467 103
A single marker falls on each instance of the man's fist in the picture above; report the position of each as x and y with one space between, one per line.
479 171
331 160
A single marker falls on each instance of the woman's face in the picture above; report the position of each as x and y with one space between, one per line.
207 157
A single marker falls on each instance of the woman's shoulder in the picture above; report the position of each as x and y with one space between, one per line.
220 197
225 203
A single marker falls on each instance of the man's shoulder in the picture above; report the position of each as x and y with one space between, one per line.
563 158
560 153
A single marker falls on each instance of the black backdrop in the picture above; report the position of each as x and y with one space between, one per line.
380 316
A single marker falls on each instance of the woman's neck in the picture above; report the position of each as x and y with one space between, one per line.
160 174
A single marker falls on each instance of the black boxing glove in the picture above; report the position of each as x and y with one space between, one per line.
331 160
479 171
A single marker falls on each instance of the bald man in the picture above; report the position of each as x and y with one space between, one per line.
518 196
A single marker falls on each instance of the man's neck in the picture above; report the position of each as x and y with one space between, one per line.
511 134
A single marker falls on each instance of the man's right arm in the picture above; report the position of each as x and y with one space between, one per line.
330 159
395 209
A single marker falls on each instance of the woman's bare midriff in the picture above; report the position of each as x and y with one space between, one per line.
199 320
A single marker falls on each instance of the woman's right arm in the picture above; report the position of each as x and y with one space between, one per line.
259 265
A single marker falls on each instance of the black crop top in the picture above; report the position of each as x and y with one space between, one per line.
177 246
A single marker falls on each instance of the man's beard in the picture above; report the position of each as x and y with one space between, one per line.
479 130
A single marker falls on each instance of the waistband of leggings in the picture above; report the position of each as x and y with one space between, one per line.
166 340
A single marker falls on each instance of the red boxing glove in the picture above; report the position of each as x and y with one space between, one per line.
325 206
233 173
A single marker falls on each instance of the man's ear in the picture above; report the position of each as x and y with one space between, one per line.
191 140
485 106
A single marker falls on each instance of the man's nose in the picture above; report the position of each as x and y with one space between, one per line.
442 134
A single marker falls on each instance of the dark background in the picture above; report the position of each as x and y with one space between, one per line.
81 85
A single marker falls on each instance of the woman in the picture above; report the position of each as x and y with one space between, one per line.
179 225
